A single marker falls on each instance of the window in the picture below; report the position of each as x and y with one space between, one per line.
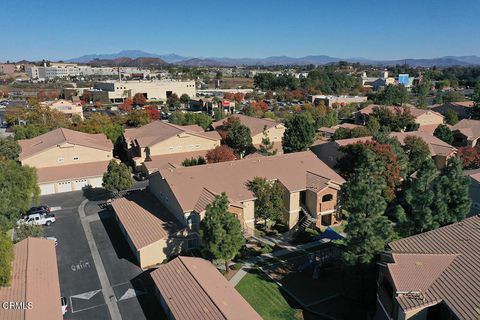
327 197
60 159
75 158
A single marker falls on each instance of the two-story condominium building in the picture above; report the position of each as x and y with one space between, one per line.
274 129
433 275
160 144
309 185
68 107
466 133
67 160
427 120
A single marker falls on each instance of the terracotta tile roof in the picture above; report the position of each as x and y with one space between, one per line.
72 171
469 128
416 112
145 220
193 288
35 280
157 131
254 124
231 177
451 278
60 136
171 160
436 146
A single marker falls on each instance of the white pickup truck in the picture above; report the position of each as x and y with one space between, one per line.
39 219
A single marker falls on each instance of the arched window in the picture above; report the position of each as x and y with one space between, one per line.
327 197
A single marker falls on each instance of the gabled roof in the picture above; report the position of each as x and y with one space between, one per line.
192 288
232 177
416 112
72 171
60 136
450 270
255 125
157 131
145 220
436 146
469 128
35 280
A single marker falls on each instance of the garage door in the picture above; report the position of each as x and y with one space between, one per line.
80 184
65 186
96 182
47 188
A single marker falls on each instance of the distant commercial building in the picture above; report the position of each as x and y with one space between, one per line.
65 70
118 91
336 100
377 82
7 68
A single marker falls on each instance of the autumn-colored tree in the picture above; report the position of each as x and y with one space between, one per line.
470 157
254 111
228 96
126 106
260 104
139 99
86 96
152 112
269 95
220 154
384 155
238 97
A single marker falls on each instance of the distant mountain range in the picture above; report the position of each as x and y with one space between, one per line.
97 59
129 62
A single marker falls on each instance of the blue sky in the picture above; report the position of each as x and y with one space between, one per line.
387 29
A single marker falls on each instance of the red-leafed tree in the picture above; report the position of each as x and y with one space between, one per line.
470 157
228 96
139 99
86 96
238 97
126 106
152 112
384 155
260 104
220 154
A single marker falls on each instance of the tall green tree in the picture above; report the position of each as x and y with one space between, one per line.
6 259
9 149
137 118
420 198
444 133
221 232
368 229
269 200
118 177
19 189
417 151
452 199
266 148
451 117
299 133
239 138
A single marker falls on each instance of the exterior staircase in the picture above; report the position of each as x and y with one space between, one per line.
306 221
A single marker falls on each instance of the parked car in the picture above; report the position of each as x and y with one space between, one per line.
39 219
39 209
64 303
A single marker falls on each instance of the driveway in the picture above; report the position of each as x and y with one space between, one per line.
90 278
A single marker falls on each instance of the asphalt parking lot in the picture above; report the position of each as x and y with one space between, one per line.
129 290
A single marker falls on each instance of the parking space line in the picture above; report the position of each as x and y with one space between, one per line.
107 290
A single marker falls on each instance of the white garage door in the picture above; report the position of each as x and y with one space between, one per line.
47 188
96 182
80 184
65 186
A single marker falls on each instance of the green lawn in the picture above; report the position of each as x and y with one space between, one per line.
265 297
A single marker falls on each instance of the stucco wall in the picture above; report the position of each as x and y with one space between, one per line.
50 157
275 134
180 144
161 190
249 214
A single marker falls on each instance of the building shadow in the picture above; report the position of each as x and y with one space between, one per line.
119 242
148 302
96 194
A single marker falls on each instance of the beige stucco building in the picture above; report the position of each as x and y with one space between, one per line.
68 107
273 129
310 187
159 143
67 160
118 91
